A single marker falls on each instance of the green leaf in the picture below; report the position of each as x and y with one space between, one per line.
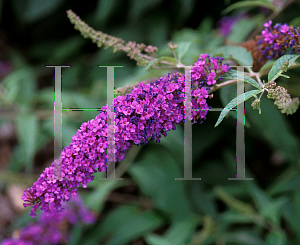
241 30
276 238
243 4
181 232
295 22
276 71
278 135
37 9
153 239
158 169
226 94
104 9
233 74
267 66
243 237
237 53
233 103
158 62
270 209
95 200
182 49
20 86
138 225
28 131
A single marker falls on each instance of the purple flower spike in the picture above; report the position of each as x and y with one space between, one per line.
147 112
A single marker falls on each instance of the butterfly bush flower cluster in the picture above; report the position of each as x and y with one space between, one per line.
275 40
54 228
149 111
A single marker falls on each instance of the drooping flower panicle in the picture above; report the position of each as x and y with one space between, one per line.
148 111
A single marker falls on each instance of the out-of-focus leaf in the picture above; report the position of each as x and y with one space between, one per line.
153 239
139 7
267 208
28 131
159 60
155 173
182 49
181 232
96 199
241 30
20 86
37 9
243 4
234 217
267 66
236 101
243 237
237 53
295 22
276 238
76 234
203 201
291 215
138 225
104 9
279 134
276 71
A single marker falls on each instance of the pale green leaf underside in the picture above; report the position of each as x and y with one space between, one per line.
236 101
275 70
233 74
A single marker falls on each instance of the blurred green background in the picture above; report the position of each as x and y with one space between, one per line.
149 206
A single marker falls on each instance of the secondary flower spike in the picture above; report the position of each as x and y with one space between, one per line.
53 229
147 112
275 40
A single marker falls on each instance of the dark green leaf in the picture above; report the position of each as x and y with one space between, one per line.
40 8
181 232
266 207
96 199
276 71
279 134
243 4
104 9
236 101
276 238
158 169
153 239
138 225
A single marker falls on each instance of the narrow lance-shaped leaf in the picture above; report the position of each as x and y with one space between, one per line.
233 74
158 62
236 101
276 69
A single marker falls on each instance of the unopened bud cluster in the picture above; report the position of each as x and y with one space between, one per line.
283 100
132 49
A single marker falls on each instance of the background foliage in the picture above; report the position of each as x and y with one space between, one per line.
149 206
